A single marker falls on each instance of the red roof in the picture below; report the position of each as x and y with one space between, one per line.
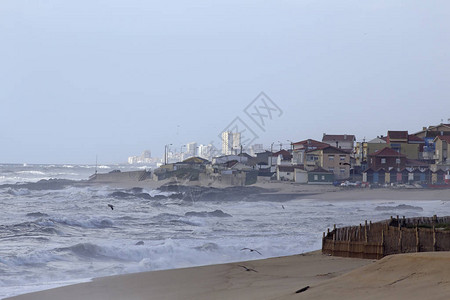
338 137
398 135
284 153
386 151
332 149
311 143
445 138
413 138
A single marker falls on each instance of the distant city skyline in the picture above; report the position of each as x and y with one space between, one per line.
86 79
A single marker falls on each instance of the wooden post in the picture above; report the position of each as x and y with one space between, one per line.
365 231
434 238
417 239
382 244
400 240
334 241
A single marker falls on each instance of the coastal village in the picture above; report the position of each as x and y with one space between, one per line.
419 159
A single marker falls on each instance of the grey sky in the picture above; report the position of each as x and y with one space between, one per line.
112 78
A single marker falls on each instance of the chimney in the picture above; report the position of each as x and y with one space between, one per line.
337 144
424 128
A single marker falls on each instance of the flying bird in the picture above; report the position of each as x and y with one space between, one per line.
248 269
251 250
111 206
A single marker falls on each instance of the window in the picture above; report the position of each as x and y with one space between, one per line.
383 160
331 157
342 170
323 177
342 157
397 160
312 157
316 177
331 170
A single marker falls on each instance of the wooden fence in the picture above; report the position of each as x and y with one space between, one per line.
375 240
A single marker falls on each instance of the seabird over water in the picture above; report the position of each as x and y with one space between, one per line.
111 206
252 250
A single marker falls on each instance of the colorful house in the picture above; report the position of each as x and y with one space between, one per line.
387 158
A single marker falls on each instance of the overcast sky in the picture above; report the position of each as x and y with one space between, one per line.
113 78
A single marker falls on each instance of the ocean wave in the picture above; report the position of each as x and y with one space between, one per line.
18 192
83 223
31 172
30 259
217 213
43 184
208 247
36 214
400 206
86 250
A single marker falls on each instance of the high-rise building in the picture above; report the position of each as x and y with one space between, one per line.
191 149
231 142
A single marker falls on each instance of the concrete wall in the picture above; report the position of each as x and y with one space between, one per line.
117 176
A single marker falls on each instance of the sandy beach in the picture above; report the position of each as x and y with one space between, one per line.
274 278
404 276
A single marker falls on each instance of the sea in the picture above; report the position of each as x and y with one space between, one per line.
55 230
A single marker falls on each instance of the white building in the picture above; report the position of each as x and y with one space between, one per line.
191 150
231 142
256 148
144 158
206 151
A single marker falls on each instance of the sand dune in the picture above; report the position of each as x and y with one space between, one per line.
403 276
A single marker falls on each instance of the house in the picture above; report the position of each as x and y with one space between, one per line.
360 155
387 158
332 159
320 176
442 150
299 149
342 141
376 176
285 173
296 173
433 131
225 158
428 134
282 157
400 141
300 174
